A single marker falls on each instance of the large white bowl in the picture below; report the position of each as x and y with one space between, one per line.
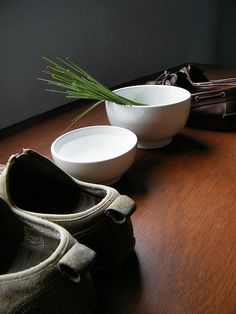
98 154
165 114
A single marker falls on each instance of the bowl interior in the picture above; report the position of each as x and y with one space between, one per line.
94 144
155 95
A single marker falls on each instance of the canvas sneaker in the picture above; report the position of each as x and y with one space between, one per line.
96 215
38 269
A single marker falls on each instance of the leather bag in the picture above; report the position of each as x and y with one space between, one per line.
213 104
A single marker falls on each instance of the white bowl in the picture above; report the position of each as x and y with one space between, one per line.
98 154
165 114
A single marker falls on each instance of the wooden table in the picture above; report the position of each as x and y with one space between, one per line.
185 223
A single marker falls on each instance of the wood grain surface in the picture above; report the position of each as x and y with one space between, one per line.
185 223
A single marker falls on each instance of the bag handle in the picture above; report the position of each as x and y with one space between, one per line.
77 261
120 209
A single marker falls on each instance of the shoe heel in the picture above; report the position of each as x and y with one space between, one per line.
122 208
76 262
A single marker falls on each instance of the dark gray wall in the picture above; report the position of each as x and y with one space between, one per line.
226 45
114 40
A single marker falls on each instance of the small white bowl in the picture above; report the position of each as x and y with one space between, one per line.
165 114
98 154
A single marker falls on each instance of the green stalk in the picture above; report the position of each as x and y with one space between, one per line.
74 82
76 119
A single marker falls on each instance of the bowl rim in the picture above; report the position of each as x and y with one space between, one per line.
187 97
59 157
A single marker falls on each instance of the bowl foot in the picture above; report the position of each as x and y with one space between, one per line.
152 145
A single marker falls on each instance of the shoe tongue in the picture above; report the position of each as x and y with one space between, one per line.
11 234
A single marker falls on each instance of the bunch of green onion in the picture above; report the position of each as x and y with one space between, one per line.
71 80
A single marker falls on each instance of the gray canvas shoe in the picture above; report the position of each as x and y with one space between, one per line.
38 269
96 215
